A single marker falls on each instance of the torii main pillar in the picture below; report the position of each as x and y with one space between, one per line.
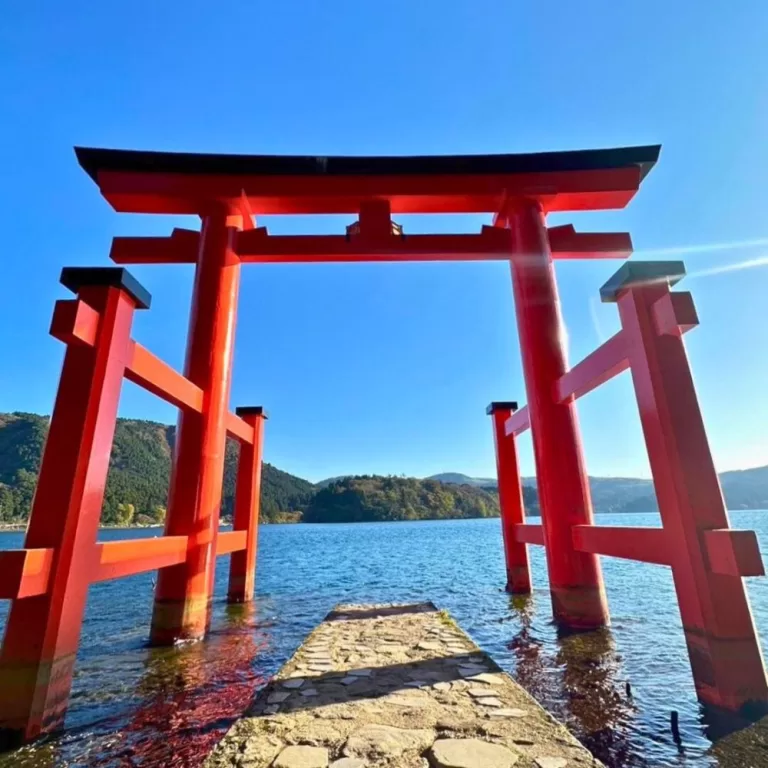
575 578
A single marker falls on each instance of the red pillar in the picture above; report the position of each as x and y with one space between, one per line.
42 634
575 579
183 593
724 652
510 500
242 567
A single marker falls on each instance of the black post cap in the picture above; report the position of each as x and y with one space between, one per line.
636 273
501 405
76 278
251 410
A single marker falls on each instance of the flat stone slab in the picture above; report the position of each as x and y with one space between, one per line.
395 686
471 753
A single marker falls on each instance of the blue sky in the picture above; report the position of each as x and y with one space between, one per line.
388 368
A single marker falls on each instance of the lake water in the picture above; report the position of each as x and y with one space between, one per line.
136 706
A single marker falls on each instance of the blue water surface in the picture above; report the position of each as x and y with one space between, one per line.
132 705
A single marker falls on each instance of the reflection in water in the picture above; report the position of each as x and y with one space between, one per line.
584 679
185 700
192 694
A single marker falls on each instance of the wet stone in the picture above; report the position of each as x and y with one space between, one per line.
277 698
296 682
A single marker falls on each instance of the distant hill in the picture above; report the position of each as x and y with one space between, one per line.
743 489
140 465
139 474
370 498
459 479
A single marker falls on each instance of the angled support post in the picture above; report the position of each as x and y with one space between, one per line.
38 654
575 578
708 559
242 566
183 593
510 499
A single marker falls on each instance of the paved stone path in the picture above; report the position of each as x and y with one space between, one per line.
399 686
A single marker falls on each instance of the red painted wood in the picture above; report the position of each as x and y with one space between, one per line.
238 428
734 553
157 377
518 422
608 360
529 534
566 243
722 644
42 633
183 593
125 558
24 572
228 542
242 569
575 580
136 192
648 545
511 504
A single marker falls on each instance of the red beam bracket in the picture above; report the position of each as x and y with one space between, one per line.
733 553
566 243
525 533
24 572
74 322
647 545
180 248
675 313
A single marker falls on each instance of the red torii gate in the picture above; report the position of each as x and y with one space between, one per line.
48 579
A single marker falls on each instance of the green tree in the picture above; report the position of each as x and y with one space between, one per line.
125 513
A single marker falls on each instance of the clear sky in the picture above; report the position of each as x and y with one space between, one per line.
388 368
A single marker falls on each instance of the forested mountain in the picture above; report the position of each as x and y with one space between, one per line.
139 474
370 498
140 465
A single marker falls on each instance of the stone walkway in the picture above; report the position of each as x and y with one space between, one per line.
399 686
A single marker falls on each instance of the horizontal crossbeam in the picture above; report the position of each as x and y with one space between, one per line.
180 248
126 558
525 533
25 572
230 541
647 545
187 193
566 243
257 246
608 360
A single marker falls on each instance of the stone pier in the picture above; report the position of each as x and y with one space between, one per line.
395 686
